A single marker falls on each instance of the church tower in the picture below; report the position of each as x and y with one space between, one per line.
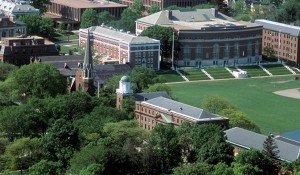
85 77
123 91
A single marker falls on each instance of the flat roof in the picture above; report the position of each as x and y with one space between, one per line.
279 27
87 4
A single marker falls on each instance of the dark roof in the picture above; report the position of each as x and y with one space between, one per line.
247 139
294 135
288 140
67 65
185 110
103 72
150 95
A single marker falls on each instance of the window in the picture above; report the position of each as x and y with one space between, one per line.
199 51
249 49
186 52
216 51
226 50
236 50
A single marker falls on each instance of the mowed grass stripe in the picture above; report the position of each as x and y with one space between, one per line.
273 113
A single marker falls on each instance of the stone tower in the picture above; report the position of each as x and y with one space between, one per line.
123 91
84 75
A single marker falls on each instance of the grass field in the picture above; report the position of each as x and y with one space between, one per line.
253 71
170 76
273 113
194 74
219 73
277 69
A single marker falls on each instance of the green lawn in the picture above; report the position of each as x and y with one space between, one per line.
170 76
65 49
194 74
219 73
273 113
253 71
64 36
277 69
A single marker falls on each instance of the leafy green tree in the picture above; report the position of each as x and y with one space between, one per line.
93 169
222 169
153 9
137 7
61 27
143 77
158 87
239 119
88 18
3 143
60 142
35 80
215 104
222 7
46 27
164 140
22 153
252 162
5 69
200 168
128 106
165 35
204 6
288 12
127 21
44 167
40 4
36 25
105 17
269 52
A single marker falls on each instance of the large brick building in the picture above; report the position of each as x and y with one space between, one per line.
122 47
208 37
162 4
70 11
20 50
156 108
10 28
283 38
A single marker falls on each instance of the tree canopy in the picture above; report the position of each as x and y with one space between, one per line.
88 18
37 25
40 4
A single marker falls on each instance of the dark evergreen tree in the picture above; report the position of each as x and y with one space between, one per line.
270 147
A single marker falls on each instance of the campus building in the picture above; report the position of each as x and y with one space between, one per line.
208 37
283 39
23 50
70 11
10 28
155 108
15 8
122 47
162 4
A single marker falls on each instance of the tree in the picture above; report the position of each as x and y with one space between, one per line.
127 21
61 27
105 18
200 168
270 147
128 106
37 80
222 169
93 169
40 4
36 25
165 35
269 52
158 87
153 9
88 18
22 153
143 77
5 69
222 7
288 12
46 27
252 162
239 119
44 167
215 104
60 142
164 140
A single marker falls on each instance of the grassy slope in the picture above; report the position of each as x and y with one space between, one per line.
254 97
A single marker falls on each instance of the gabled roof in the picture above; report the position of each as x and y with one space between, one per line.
182 109
103 72
247 139
150 95
279 27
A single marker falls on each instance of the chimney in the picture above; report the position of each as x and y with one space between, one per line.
169 14
214 12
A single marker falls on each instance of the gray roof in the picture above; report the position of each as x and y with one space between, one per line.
67 65
279 27
182 109
12 7
118 35
248 139
168 16
150 95
103 72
